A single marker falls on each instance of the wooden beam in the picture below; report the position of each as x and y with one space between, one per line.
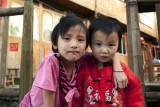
12 11
146 8
158 19
134 44
148 1
153 96
26 70
9 92
4 50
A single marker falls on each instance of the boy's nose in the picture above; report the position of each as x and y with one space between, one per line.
105 50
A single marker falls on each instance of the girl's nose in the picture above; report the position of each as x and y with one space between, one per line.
74 44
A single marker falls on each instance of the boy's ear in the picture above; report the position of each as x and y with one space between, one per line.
55 46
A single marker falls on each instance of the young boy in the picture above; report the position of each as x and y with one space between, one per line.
95 80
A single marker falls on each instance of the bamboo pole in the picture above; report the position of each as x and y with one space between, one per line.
26 70
158 19
12 11
4 50
135 51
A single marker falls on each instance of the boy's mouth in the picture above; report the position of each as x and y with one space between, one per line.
104 57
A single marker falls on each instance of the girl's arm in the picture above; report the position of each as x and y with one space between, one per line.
48 98
120 78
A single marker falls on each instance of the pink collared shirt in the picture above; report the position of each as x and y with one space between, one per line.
48 78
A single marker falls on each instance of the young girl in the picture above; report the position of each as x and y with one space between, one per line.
54 85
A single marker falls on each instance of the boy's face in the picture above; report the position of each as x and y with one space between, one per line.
103 46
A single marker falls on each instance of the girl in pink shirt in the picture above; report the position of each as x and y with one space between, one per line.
54 85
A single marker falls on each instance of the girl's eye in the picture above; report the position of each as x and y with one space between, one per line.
66 38
98 44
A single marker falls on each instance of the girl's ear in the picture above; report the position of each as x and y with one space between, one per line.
55 47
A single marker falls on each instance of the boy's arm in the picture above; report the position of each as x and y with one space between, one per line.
77 102
133 92
120 78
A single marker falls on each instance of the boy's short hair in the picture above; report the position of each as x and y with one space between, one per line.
106 25
63 26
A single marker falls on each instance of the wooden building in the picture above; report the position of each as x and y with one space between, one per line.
48 12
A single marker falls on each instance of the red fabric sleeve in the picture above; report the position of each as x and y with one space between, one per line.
77 102
133 92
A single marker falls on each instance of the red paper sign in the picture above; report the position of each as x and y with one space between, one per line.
13 46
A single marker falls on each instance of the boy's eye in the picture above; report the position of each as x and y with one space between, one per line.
80 40
111 45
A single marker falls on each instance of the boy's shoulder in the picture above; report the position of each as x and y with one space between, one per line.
126 69
124 66
130 74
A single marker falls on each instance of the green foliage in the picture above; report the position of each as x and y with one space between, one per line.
14 30
13 104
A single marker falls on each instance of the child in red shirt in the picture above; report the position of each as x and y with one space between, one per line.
95 81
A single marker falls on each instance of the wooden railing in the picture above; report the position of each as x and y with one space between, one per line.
156 68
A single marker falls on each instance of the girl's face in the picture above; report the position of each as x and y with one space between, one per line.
103 46
72 45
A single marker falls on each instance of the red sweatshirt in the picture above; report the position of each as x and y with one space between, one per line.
96 88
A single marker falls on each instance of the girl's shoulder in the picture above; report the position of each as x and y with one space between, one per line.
52 56
87 56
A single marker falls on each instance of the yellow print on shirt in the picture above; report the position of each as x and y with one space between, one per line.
116 98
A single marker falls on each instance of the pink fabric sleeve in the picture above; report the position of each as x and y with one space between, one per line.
47 75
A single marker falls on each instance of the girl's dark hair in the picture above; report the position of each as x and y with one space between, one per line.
63 26
106 25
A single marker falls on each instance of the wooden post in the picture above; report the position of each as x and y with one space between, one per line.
158 19
134 46
4 50
11 11
26 70
96 5
149 64
40 33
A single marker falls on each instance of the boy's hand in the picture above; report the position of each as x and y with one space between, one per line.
120 78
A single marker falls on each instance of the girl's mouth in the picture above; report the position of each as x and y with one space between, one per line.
73 52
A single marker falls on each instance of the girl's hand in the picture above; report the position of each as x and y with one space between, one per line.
120 78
